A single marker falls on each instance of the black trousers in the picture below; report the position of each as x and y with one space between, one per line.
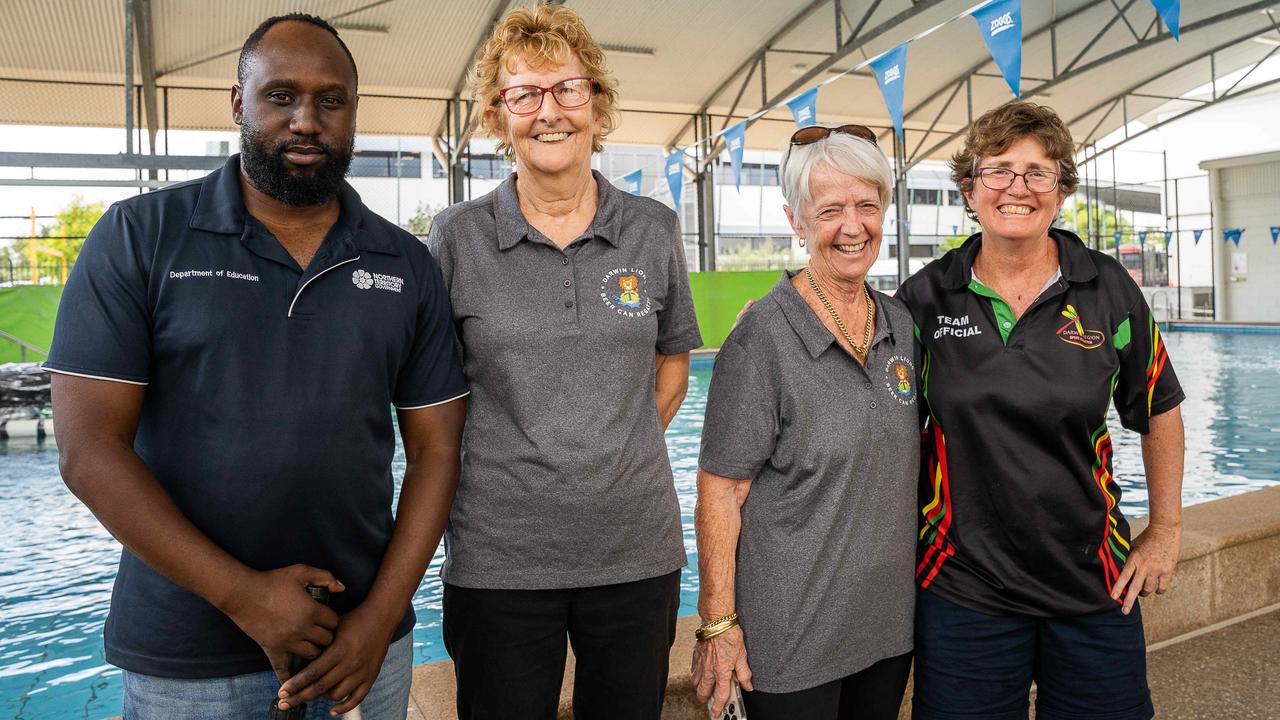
871 694
508 649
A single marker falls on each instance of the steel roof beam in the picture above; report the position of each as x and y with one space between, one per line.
1051 28
782 32
1111 57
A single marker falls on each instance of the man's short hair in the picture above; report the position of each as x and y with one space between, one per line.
255 38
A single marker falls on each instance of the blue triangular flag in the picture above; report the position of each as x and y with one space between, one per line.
632 181
734 140
891 74
1142 237
1275 234
1119 234
674 170
1233 235
1198 233
1001 25
804 108
1169 11
1168 237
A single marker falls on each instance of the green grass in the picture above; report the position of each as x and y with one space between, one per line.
27 312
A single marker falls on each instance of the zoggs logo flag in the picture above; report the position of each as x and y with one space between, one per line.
891 73
1001 26
632 181
735 139
804 108
675 176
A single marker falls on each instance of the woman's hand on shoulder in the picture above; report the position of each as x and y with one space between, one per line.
716 661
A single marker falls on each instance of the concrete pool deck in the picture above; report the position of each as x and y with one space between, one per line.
1211 649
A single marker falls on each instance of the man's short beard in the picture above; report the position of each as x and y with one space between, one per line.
266 169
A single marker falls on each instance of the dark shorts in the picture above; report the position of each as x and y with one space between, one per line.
971 665
508 649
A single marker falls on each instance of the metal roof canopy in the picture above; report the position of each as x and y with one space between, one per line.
685 70
674 60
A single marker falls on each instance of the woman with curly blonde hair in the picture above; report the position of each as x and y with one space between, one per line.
566 526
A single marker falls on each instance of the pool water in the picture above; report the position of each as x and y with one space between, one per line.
57 563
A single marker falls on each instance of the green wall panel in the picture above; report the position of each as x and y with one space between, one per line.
27 312
719 296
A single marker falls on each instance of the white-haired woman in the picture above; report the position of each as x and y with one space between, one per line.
806 486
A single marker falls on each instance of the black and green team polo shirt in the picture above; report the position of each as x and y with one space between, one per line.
1020 512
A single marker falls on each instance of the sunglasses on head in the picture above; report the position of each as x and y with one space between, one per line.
814 133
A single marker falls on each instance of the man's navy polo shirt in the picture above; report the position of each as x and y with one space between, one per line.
1020 510
267 411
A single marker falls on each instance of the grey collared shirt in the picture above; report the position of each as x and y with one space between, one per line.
565 476
826 551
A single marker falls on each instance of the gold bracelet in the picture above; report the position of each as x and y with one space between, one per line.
711 629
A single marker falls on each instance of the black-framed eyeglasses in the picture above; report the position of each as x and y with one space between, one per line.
1037 181
527 99
814 133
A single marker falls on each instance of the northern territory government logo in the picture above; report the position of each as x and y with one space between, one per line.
623 290
900 378
1074 332
364 280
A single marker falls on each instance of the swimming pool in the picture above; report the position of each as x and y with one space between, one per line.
57 563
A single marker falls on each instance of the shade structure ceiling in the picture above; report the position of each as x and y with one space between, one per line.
1098 62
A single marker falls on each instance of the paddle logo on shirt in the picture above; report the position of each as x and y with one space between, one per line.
900 378
1074 332
623 291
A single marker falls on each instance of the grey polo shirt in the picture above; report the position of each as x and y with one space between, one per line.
565 476
825 556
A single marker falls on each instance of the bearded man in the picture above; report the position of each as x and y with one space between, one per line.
224 361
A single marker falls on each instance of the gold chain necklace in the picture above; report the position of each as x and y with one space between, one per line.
866 331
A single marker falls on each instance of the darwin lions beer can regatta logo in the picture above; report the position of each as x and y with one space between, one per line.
900 378
1074 332
624 291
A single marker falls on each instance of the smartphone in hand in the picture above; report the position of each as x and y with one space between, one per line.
733 709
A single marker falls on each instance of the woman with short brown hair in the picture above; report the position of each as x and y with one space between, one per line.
1026 572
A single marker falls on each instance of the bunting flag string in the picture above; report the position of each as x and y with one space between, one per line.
735 139
1168 238
1142 238
1119 235
1275 234
631 181
1169 11
1198 233
673 168
891 74
1232 235
804 108
1001 26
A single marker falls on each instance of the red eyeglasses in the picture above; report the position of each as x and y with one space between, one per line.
527 99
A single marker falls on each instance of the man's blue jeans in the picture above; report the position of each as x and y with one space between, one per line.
248 697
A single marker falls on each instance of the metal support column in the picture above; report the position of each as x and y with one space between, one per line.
901 201
128 77
706 189
457 174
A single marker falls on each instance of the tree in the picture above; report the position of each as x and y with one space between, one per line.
950 242
420 223
1076 218
70 226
